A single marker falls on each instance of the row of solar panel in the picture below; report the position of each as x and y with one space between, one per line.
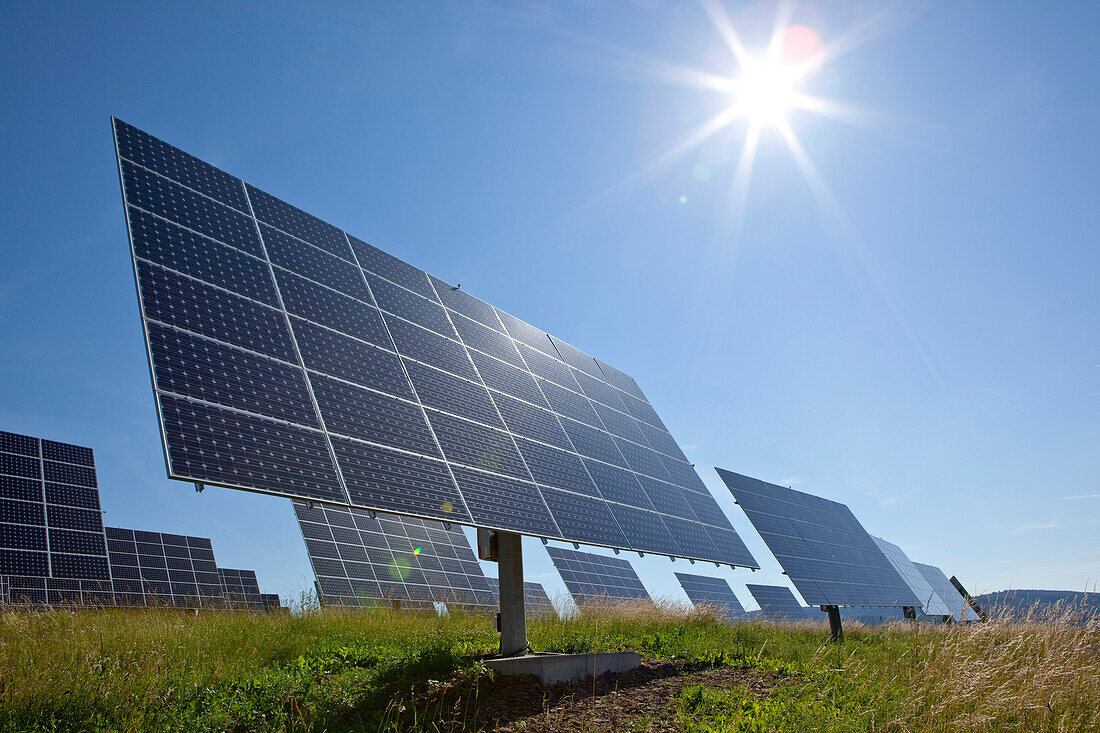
278 336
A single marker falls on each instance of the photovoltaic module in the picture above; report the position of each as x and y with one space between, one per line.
590 577
291 358
704 589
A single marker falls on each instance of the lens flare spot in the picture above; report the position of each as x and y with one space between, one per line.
400 568
447 507
701 173
802 48
683 199
416 551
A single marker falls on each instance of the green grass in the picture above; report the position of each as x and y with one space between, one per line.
387 670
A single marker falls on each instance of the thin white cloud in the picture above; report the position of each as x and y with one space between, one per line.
1079 497
1053 524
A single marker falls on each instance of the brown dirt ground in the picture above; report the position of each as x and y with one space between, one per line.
641 699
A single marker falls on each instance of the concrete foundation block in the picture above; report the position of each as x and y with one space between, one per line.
552 668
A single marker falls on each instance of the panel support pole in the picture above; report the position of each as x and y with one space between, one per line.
513 621
836 631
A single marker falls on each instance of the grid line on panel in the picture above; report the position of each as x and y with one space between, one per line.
412 386
297 351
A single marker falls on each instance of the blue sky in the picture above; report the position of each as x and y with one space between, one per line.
920 341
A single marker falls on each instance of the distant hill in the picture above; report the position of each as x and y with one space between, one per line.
1019 603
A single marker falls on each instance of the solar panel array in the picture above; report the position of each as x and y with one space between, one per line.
931 603
957 606
362 561
270 601
535 600
156 569
591 577
291 358
704 589
826 552
778 602
240 588
52 546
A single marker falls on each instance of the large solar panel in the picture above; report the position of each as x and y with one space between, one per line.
778 602
155 569
957 606
241 588
363 561
704 589
535 600
291 358
824 550
590 577
52 546
931 604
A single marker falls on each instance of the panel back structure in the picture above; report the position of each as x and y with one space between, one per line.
52 546
535 600
590 577
778 602
291 358
363 561
956 605
704 589
154 569
241 588
824 550
932 604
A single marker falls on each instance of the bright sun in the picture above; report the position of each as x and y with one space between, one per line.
766 90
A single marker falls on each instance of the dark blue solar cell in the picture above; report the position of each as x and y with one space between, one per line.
583 519
67 473
706 509
219 446
384 479
78 454
643 460
67 517
349 359
313 263
625 382
24 562
617 484
24 489
683 475
704 590
599 391
335 310
500 502
507 379
476 446
552 467
531 422
549 368
78 566
731 548
20 444
526 333
294 221
24 466
466 304
188 304
666 498
204 215
82 543
620 424
694 540
448 393
643 411
22 536
157 155
576 358
410 306
645 529
662 442
381 263
355 412
477 336
569 404
430 348
192 366
593 443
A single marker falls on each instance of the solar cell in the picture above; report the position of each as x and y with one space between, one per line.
152 569
293 359
535 600
593 578
957 606
704 589
778 602
932 604
362 561
52 545
241 588
822 547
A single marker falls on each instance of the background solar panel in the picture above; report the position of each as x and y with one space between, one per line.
592 577
52 546
535 600
778 602
823 548
933 605
291 358
703 589
362 561
241 588
154 569
270 601
957 606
